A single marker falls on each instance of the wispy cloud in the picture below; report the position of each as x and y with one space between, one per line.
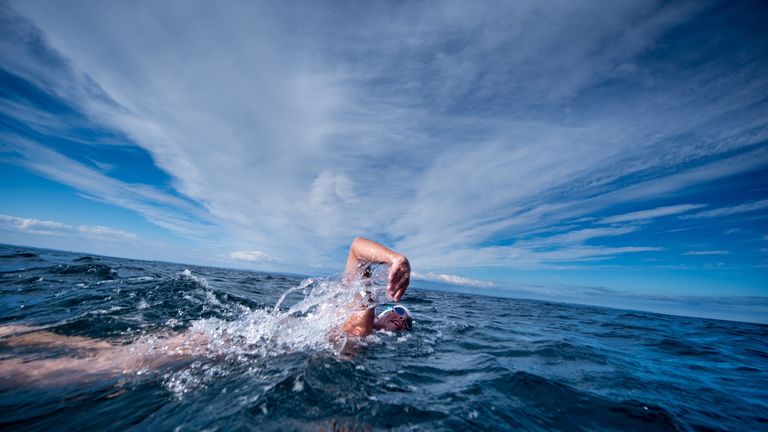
45 227
161 208
728 211
578 236
532 254
452 279
708 252
429 126
652 213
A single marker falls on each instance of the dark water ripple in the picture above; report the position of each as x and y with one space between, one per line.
472 363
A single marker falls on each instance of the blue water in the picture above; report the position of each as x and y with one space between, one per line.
471 362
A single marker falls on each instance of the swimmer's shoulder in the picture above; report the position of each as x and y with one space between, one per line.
359 324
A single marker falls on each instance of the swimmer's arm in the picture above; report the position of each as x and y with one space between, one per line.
92 359
363 252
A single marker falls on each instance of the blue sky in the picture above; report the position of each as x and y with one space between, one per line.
612 154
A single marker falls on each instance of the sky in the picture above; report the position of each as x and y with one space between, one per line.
589 152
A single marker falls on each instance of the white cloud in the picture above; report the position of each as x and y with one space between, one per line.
652 213
440 126
252 256
708 252
329 188
728 211
45 227
101 230
452 279
33 223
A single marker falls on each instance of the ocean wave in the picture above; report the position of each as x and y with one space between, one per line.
101 271
85 258
19 255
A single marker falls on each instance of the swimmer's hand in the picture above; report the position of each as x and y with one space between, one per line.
399 277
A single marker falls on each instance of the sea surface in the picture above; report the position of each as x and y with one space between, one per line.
98 343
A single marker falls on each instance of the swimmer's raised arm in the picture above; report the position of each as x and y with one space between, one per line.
363 252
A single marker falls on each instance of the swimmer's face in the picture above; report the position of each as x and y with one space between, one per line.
393 322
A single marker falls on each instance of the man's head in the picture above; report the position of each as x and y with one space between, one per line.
395 318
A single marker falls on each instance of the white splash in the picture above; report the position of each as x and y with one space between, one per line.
311 324
186 274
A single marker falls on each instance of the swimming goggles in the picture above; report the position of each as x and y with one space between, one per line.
401 311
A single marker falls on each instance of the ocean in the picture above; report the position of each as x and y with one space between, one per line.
85 347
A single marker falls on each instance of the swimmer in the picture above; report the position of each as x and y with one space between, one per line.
364 253
94 359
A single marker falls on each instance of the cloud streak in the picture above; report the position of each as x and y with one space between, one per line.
452 279
652 214
45 227
729 211
708 252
